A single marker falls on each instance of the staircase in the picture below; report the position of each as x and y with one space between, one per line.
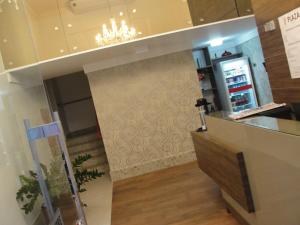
89 144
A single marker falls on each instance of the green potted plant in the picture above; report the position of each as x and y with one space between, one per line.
56 181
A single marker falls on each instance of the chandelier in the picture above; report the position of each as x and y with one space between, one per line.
10 2
115 34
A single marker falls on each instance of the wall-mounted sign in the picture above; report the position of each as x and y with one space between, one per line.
44 131
290 29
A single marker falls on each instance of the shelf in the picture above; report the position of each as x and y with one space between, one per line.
239 89
229 84
211 89
236 76
241 105
237 55
204 68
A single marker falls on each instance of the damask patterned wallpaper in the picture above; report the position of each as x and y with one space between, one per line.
146 112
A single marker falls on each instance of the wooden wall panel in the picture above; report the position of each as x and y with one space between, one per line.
226 166
283 87
244 7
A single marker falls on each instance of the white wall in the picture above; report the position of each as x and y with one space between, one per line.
1 63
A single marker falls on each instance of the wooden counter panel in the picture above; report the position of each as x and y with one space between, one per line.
274 51
204 11
226 166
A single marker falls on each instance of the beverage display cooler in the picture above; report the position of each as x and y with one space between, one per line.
236 86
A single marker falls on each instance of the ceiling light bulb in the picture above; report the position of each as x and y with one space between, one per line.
133 31
70 25
56 28
10 2
140 32
134 11
216 42
114 26
121 14
61 51
75 48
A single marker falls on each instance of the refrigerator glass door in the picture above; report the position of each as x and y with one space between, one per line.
239 85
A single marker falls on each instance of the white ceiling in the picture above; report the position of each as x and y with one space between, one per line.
144 48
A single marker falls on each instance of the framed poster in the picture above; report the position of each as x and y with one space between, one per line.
290 29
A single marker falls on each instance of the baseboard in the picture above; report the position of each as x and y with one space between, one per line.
152 166
235 214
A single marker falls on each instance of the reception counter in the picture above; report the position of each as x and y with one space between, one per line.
256 163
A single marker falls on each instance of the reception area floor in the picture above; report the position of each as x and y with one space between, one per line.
181 195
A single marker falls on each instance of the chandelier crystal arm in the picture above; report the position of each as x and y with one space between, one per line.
9 2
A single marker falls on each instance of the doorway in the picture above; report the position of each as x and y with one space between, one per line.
71 97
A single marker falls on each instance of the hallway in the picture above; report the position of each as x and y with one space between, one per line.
181 195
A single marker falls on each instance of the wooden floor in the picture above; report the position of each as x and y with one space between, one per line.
181 195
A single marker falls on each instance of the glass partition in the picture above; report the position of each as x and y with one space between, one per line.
21 201
16 44
50 29
63 27
16 103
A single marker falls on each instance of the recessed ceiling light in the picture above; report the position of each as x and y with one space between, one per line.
140 32
56 28
134 11
61 51
75 48
216 42
70 25
121 14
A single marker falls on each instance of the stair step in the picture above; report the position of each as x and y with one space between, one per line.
93 152
102 168
85 147
89 144
94 162
82 139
